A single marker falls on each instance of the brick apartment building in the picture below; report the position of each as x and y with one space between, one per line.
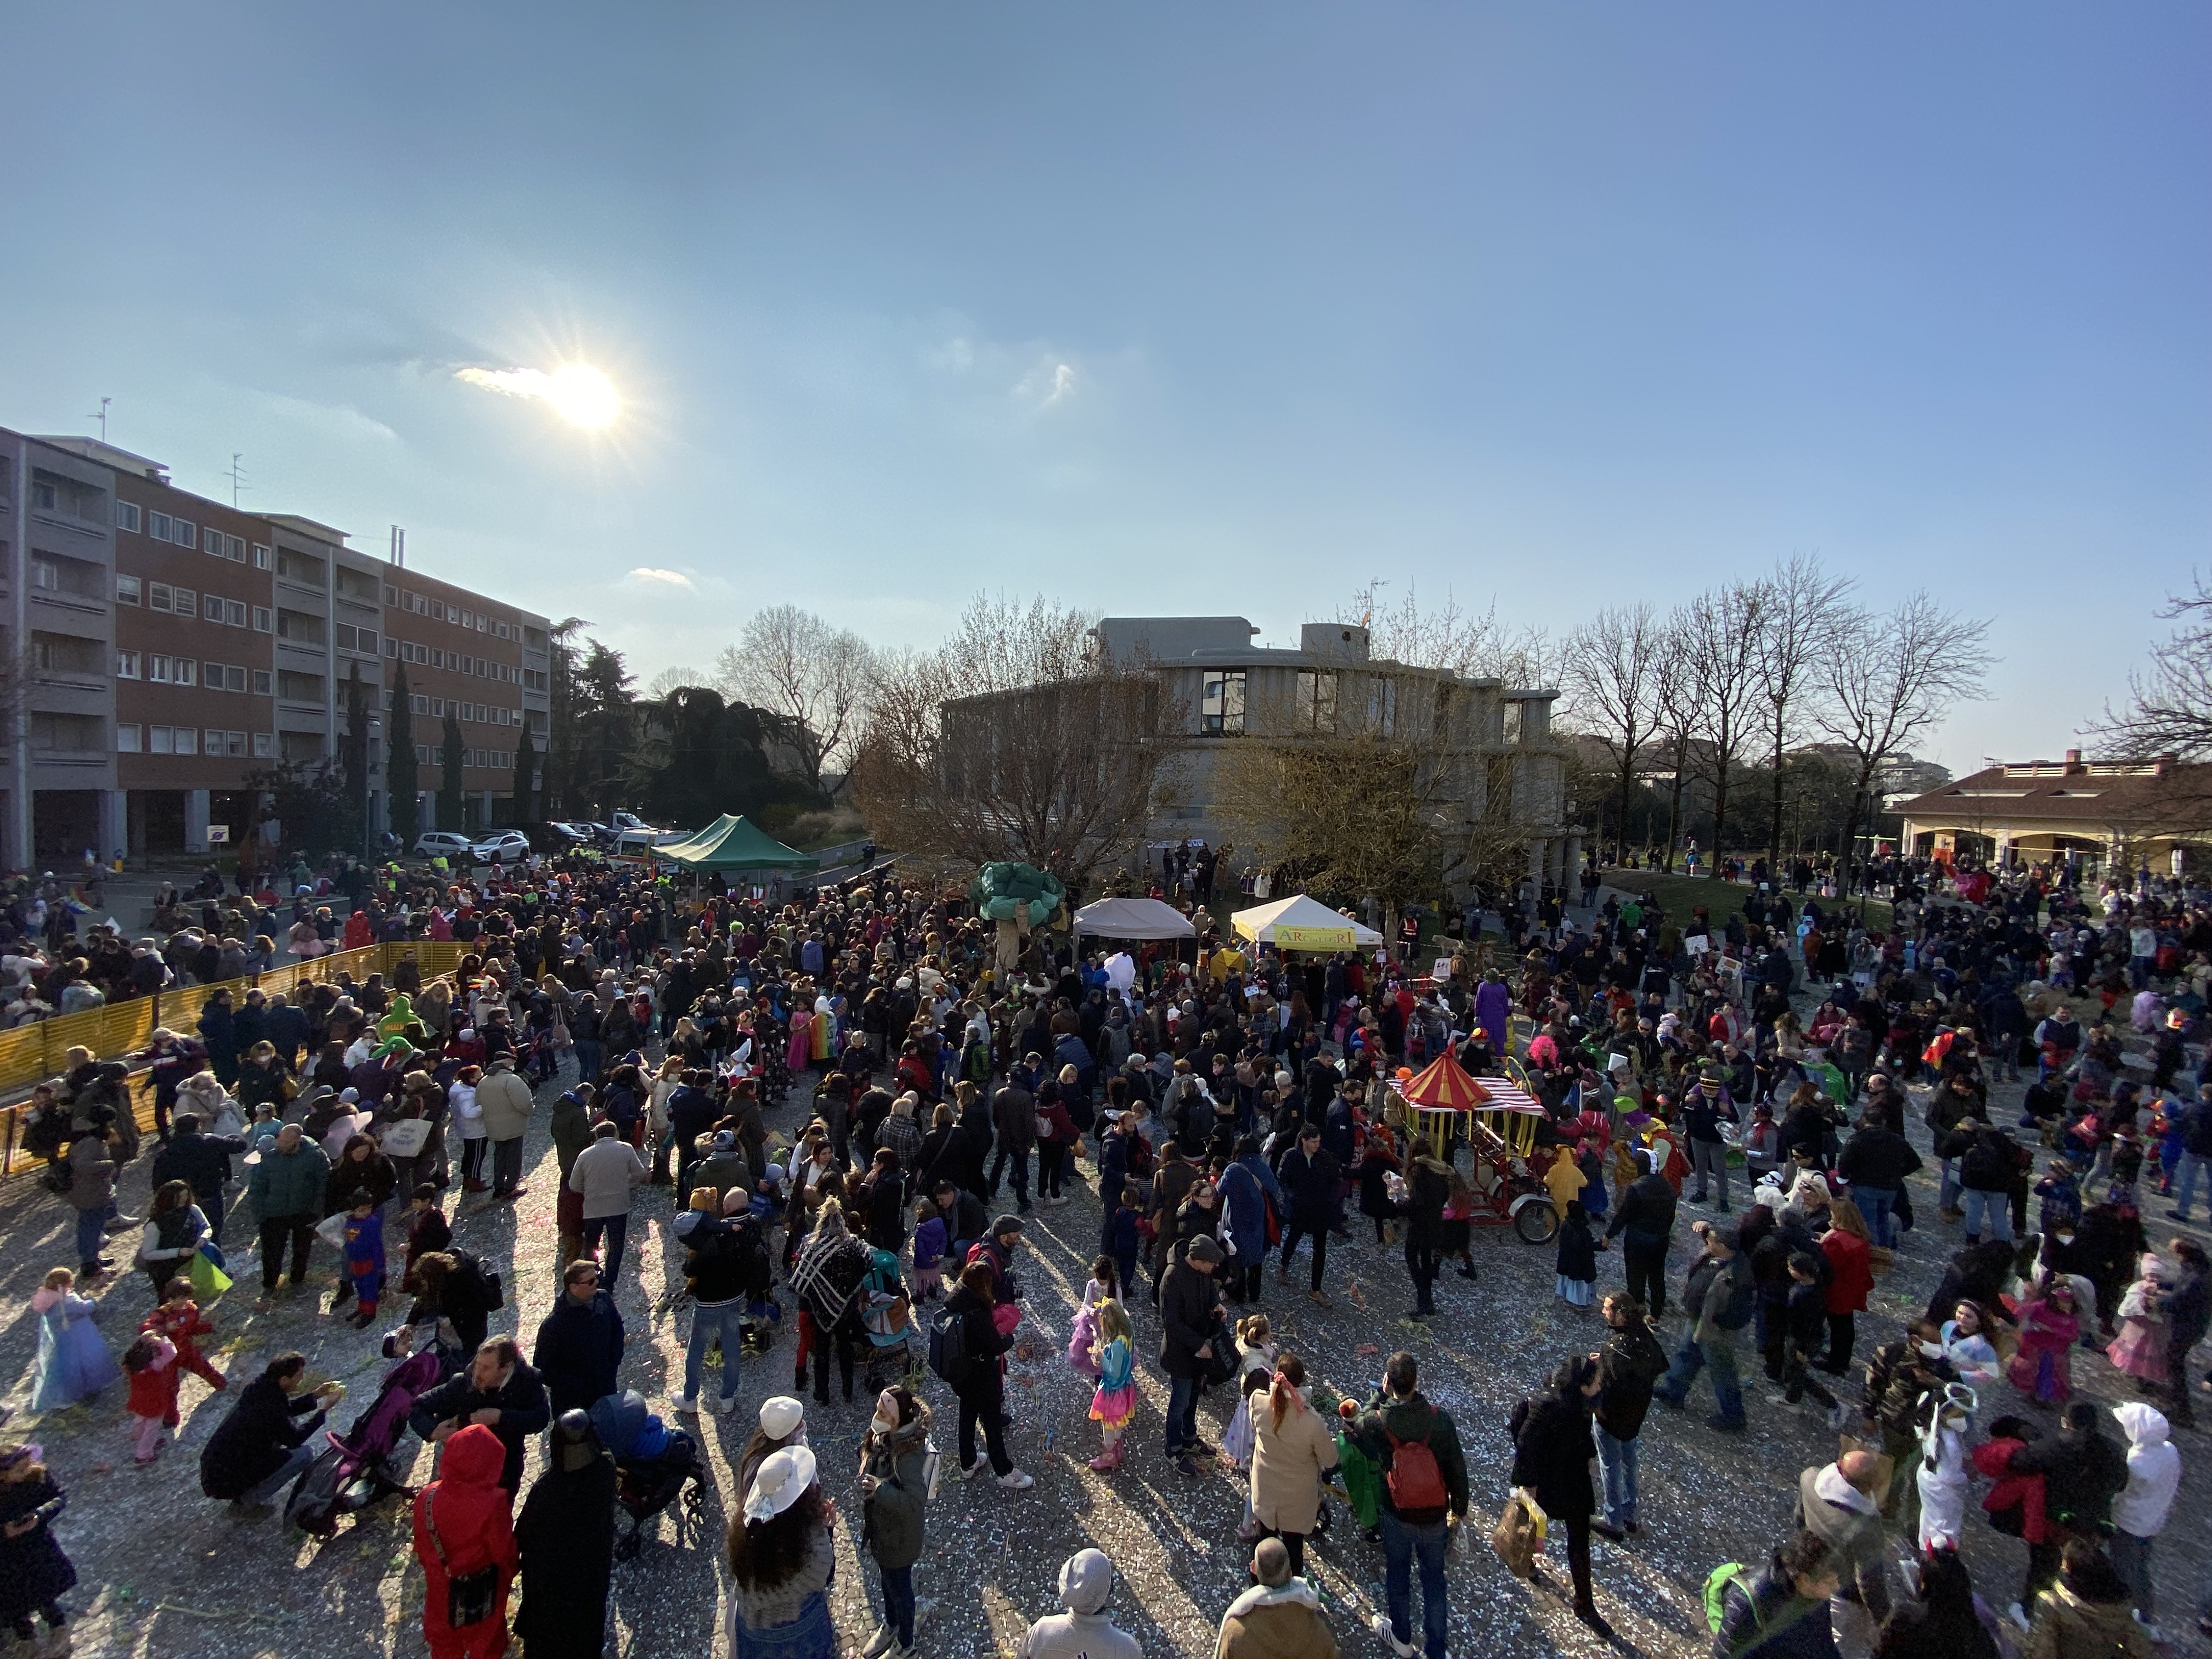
170 645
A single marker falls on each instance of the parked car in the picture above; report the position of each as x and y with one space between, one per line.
571 835
502 847
441 844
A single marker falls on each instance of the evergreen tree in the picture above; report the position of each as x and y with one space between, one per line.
449 786
526 777
400 777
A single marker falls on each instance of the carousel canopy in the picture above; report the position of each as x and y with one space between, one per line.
1300 923
1447 1086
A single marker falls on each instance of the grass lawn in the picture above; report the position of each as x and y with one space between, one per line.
1678 895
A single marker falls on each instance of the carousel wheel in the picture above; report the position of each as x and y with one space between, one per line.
1537 1222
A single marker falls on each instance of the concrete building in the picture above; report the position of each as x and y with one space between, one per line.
166 646
2100 813
1510 769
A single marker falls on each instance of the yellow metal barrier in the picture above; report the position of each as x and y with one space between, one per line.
31 1054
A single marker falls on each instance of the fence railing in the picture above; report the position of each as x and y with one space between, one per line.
30 1053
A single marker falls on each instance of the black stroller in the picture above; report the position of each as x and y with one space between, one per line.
356 1469
654 1466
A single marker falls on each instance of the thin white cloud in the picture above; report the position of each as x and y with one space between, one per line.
1049 385
341 419
645 573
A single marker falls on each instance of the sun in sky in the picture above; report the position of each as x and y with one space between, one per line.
577 393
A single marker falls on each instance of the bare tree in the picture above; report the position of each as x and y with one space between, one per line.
1611 674
1674 719
1889 679
1431 633
1013 741
1802 603
1720 628
674 680
791 662
2169 710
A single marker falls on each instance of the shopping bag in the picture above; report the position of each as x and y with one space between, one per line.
406 1138
332 1230
1519 1534
208 1278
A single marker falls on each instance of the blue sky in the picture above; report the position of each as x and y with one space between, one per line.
1154 308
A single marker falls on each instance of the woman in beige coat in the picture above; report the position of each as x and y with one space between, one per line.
1293 1450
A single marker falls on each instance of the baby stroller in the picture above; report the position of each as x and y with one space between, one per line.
356 1469
887 1315
655 1465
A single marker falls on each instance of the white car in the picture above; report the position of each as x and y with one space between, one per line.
441 844
506 847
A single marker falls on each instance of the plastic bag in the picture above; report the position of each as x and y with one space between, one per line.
331 1228
209 1280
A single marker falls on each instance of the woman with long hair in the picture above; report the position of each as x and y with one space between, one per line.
781 1556
174 1229
1848 1247
1293 1451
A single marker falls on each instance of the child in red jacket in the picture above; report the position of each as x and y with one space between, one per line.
178 1319
151 1363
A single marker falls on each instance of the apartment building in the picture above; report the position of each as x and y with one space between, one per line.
170 646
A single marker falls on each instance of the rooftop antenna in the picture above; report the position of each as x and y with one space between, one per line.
101 417
237 478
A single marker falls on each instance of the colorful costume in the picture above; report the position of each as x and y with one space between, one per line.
1114 1401
2041 1368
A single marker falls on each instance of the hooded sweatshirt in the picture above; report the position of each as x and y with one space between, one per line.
2154 1470
469 1512
1084 1632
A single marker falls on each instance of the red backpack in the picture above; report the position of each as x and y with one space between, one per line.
1415 1481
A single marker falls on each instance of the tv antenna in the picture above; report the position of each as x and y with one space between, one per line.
101 417
237 476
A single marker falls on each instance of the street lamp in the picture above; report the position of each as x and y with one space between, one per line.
368 788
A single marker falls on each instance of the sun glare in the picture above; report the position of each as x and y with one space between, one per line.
577 393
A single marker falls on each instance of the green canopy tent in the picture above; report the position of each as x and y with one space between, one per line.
731 844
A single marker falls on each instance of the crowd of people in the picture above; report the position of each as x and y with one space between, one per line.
1228 1108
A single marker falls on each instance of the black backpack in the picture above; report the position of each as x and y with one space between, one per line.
948 1345
479 1283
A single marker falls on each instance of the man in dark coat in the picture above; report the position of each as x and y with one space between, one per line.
497 1391
566 1535
202 1161
1630 1363
1646 1215
2082 1472
1309 1175
579 1343
267 1439
1191 1317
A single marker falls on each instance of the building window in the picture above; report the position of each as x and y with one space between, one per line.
187 602
233 612
299 688
1317 700
260 556
126 515
157 525
184 534
234 678
390 595
390 647
214 604
128 590
264 744
263 622
299 626
126 737
126 665
264 682
1221 704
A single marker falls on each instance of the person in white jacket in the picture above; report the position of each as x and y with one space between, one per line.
603 1173
1940 1474
2139 1512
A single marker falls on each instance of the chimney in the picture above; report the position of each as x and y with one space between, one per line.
2073 760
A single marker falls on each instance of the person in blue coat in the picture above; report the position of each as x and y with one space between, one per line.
1247 1187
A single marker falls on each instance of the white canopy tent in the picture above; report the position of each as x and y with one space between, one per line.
1307 923
1134 918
